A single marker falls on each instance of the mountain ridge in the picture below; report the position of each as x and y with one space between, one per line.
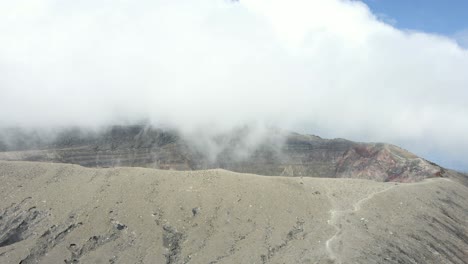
274 153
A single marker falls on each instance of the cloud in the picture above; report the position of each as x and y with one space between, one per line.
387 19
462 38
326 66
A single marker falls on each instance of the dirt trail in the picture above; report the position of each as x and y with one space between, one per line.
336 215
57 213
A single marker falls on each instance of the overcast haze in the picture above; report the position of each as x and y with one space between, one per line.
323 67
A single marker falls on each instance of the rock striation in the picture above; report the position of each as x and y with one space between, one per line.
274 154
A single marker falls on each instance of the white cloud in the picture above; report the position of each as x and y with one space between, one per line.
326 66
462 38
387 19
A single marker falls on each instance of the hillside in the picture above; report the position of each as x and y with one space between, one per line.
275 154
56 213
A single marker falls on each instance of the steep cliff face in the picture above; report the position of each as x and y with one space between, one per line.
283 154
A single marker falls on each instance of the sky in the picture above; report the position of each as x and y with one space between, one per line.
334 68
441 17
446 18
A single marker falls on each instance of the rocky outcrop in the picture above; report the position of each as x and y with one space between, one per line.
276 154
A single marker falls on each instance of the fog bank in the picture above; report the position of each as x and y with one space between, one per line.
324 67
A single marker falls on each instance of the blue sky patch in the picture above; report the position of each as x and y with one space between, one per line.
447 17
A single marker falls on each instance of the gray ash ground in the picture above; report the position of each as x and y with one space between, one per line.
56 213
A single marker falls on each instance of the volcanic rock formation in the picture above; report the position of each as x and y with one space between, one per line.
276 154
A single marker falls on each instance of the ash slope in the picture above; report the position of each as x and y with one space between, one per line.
57 213
278 154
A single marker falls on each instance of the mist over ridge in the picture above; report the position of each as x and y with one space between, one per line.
330 68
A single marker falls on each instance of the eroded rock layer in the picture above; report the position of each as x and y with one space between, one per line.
275 154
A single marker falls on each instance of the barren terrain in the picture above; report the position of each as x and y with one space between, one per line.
59 213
